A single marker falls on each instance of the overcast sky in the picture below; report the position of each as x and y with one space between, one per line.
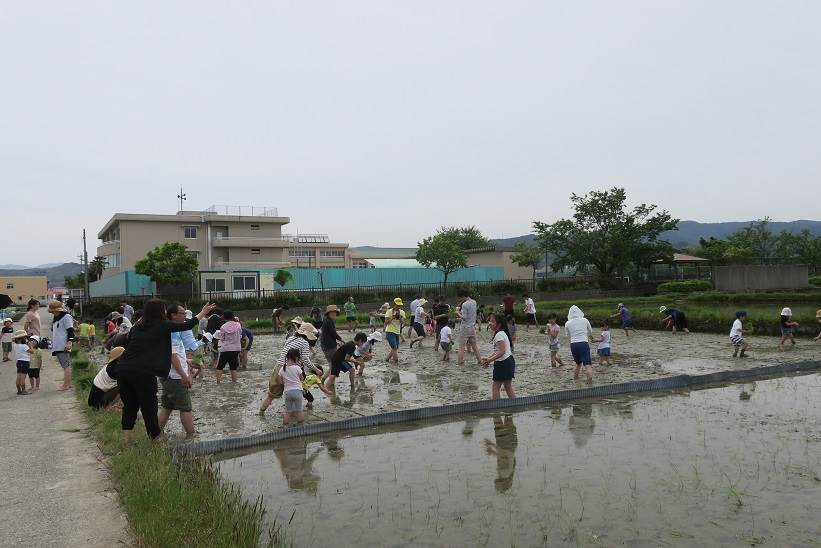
378 121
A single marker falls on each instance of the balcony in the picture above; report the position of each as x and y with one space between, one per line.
249 265
250 241
109 247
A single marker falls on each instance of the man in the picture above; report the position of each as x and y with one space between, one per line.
31 321
412 306
441 315
507 304
467 335
128 311
350 314
62 333
175 388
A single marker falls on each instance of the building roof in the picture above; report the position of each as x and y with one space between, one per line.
190 217
682 258
395 263
366 251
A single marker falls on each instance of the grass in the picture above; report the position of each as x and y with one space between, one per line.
170 504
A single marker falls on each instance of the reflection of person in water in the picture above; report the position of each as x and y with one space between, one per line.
335 450
582 423
297 466
505 450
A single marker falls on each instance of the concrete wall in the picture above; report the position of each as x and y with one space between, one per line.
309 278
512 271
123 283
760 277
22 288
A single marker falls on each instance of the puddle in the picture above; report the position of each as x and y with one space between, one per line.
732 466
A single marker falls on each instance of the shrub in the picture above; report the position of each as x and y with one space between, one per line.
685 286
815 280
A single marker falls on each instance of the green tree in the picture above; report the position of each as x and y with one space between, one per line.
282 277
527 256
96 267
468 237
755 240
603 233
169 263
75 282
443 252
804 246
712 248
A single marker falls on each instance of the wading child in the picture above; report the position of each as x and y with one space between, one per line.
445 335
530 311
787 326
36 362
364 349
626 319
309 382
818 319
737 334
292 376
104 388
553 332
604 344
504 366
230 335
22 353
6 338
372 320
84 332
511 327
341 362
480 318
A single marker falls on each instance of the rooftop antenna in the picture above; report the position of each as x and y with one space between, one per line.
182 197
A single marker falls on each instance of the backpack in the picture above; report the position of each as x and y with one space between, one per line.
45 343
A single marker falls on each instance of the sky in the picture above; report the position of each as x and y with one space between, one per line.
377 121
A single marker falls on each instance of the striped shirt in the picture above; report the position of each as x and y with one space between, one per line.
304 353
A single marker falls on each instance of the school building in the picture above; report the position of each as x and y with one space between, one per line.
22 288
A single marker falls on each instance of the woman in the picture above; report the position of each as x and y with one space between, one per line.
148 356
504 366
579 330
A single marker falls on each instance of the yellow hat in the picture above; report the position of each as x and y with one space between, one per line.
398 301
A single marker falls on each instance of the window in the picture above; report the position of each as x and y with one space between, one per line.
254 227
245 283
332 253
293 253
190 232
112 261
254 251
214 284
9 285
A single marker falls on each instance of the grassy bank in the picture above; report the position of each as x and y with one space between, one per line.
168 504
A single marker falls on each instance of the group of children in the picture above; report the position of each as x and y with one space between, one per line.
787 324
29 358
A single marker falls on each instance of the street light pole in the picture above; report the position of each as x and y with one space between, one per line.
182 197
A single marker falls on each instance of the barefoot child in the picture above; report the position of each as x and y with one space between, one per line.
6 338
737 334
341 363
36 362
364 349
22 353
604 344
511 327
291 376
504 365
553 332
626 319
787 326
444 339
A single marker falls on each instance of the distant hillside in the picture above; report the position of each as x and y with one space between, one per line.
56 275
689 232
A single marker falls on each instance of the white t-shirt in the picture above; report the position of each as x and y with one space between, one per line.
444 334
362 349
21 352
412 306
290 375
419 315
502 336
103 381
578 329
530 306
736 330
59 333
125 325
605 339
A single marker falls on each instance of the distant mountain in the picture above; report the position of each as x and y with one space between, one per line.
56 275
689 232
13 267
48 265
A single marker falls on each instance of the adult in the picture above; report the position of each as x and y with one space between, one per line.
350 314
578 328
276 318
507 304
315 316
62 337
530 311
626 318
128 311
394 318
467 335
441 315
175 387
412 307
419 319
230 344
148 356
104 387
674 318
328 336
504 365
31 321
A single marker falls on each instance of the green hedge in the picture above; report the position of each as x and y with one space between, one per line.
685 286
815 280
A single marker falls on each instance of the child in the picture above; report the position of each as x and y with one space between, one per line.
364 349
22 353
372 320
83 334
818 319
444 339
553 332
604 344
92 334
480 318
6 338
341 363
36 362
511 327
787 326
292 377
312 380
626 318
737 334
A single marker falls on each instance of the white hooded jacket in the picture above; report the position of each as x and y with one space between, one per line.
577 326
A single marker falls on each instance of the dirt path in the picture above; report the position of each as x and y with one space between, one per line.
56 490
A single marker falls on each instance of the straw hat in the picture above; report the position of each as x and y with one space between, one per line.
308 331
115 316
115 353
377 335
297 320
421 302
786 311
331 308
56 306
20 333
398 301
818 313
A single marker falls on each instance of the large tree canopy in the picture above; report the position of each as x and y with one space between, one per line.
605 234
169 263
445 250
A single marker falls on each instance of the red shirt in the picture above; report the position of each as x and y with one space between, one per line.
508 302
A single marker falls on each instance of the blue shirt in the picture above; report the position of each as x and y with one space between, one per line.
673 313
188 340
248 335
625 314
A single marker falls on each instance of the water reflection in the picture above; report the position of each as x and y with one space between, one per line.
582 423
297 466
504 448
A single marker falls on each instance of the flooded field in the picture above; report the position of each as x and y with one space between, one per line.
732 466
422 379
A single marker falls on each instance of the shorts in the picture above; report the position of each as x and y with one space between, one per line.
329 353
175 396
736 340
532 316
393 340
419 328
229 358
34 372
681 322
293 401
603 352
342 367
508 312
93 339
445 346
350 318
22 367
63 358
581 353
504 370
83 340
7 347
554 347
786 331
467 334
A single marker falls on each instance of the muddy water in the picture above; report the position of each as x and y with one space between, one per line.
422 379
733 466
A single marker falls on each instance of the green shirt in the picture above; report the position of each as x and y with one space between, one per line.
350 309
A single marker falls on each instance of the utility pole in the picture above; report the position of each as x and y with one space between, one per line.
85 266
182 197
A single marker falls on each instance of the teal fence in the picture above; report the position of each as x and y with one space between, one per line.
124 283
318 278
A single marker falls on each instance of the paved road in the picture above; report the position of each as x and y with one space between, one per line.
55 491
